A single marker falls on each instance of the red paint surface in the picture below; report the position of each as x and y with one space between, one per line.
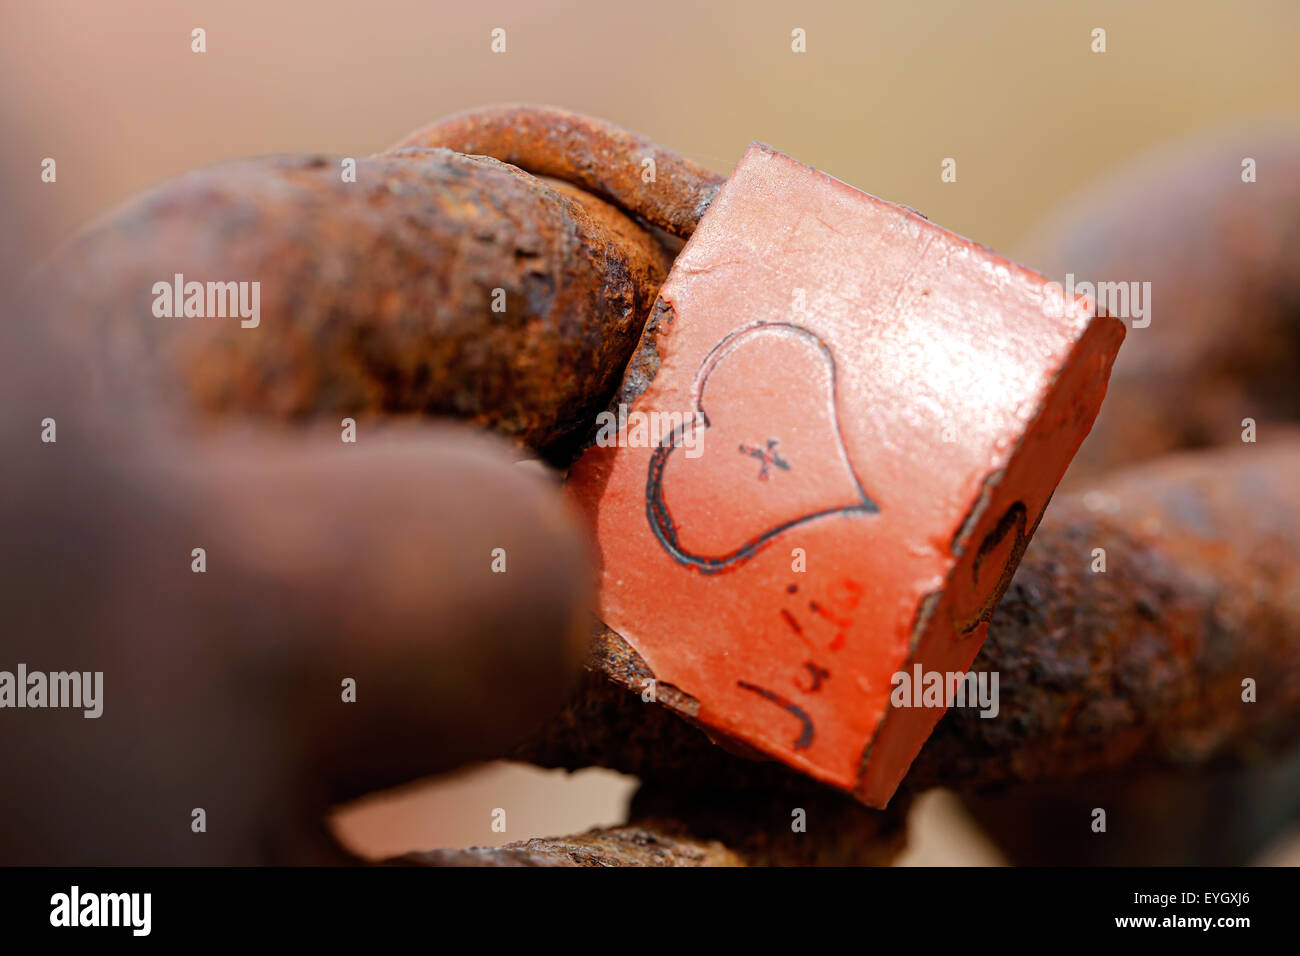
914 371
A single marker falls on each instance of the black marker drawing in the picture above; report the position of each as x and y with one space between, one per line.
805 738
818 674
766 456
661 519
1016 519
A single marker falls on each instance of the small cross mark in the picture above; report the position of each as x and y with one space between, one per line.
767 456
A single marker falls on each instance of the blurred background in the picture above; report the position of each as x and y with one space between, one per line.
885 92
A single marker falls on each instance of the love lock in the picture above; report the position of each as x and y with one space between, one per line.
881 411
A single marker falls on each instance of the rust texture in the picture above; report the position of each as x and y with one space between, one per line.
604 160
803 825
376 296
644 843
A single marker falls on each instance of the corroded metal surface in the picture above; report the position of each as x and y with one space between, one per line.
645 843
805 826
378 297
604 160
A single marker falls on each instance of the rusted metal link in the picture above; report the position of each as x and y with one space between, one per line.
797 824
436 283
602 159
643 843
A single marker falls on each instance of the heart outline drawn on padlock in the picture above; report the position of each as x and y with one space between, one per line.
657 511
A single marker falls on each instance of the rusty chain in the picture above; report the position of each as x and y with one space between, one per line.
1099 672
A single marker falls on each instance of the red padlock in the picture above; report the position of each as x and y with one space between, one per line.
857 420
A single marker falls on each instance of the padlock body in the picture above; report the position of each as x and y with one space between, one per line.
856 420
